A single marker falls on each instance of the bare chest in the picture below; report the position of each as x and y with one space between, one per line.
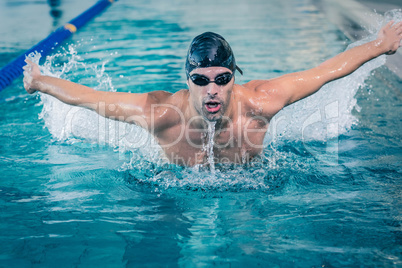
236 142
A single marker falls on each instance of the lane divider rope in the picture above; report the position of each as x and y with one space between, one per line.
13 70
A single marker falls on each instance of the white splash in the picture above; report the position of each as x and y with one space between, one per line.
210 146
329 112
322 116
77 124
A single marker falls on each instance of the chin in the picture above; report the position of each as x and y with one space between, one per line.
212 117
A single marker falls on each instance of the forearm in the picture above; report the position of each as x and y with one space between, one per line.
117 105
66 91
348 61
302 84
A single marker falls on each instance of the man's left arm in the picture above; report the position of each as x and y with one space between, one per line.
296 86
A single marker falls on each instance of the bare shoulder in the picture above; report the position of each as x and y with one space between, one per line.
264 97
159 96
164 97
268 86
179 98
167 108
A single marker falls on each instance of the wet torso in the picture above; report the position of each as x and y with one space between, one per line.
238 142
235 140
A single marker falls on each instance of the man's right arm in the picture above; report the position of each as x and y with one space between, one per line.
128 107
302 84
272 95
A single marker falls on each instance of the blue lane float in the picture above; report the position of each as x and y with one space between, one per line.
14 69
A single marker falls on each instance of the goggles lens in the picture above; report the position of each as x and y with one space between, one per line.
220 80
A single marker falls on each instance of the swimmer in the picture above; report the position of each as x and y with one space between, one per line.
240 114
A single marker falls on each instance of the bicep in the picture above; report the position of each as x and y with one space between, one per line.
303 84
146 110
297 86
272 95
121 106
129 107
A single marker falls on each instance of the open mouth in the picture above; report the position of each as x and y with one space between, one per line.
213 106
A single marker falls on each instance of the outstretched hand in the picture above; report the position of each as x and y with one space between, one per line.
31 72
390 37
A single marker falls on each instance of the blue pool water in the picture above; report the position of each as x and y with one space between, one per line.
77 190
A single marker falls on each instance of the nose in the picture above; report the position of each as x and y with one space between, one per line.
213 89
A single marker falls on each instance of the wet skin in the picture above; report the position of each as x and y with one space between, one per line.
240 113
239 125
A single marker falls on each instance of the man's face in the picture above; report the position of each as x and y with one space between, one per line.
211 101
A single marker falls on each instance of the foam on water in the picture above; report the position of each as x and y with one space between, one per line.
78 124
320 117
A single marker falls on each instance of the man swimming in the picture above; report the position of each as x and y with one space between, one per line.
238 116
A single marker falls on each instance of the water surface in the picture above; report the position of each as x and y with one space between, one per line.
78 190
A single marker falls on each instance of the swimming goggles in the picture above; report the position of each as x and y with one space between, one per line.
220 80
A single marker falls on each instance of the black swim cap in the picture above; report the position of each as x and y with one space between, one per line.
210 49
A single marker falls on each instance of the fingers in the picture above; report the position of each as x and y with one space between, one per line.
27 80
29 63
389 24
27 68
31 74
398 31
398 27
392 25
